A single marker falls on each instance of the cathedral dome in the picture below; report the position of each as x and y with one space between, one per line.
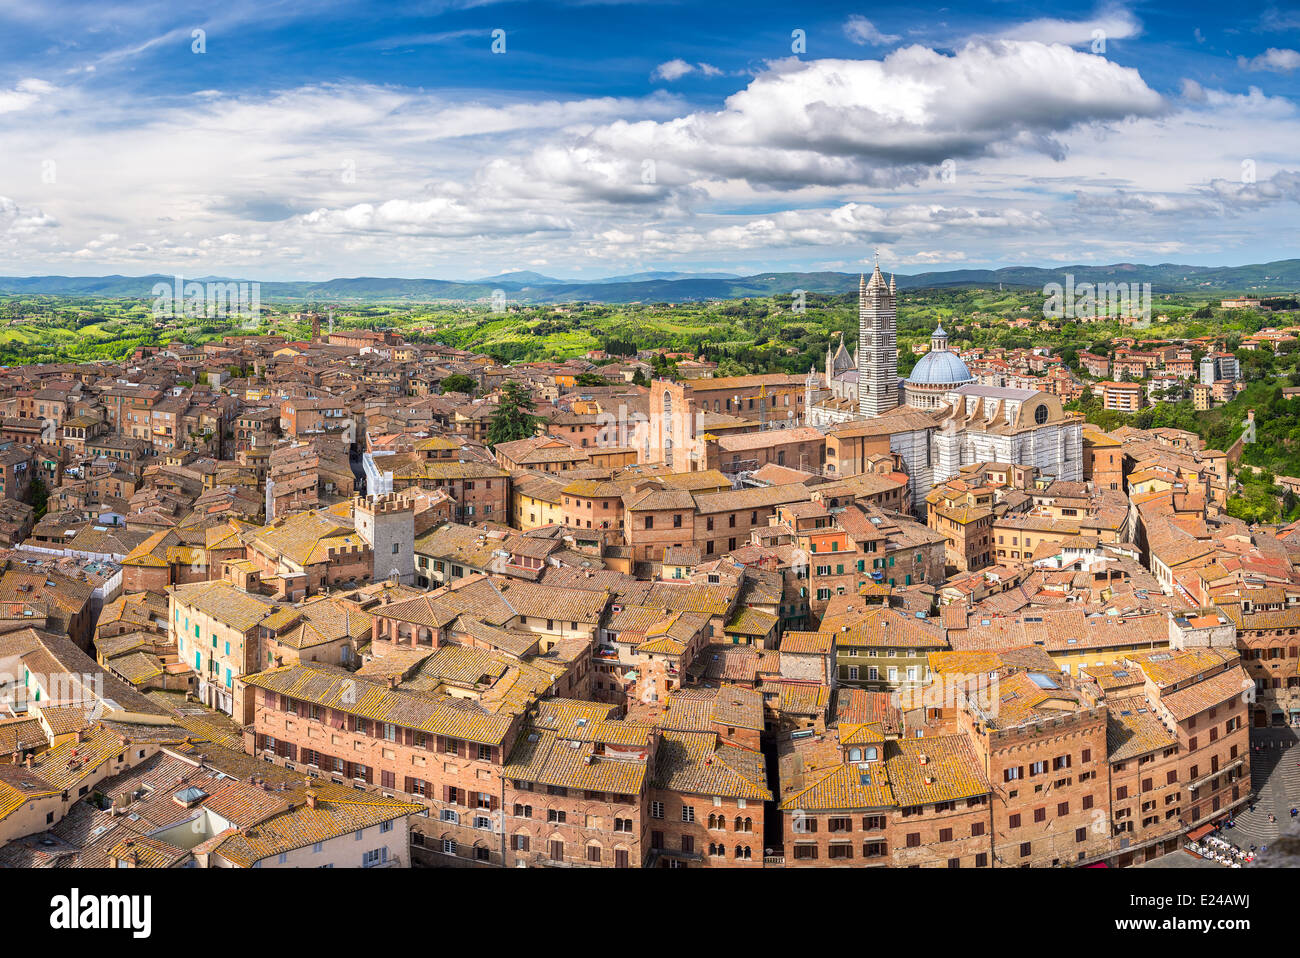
940 368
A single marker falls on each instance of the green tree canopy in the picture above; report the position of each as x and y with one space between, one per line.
514 417
459 383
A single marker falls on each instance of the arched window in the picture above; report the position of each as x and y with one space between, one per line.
739 823
749 824
872 754
855 755
747 853
740 852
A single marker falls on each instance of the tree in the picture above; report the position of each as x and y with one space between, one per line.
588 380
40 497
638 378
514 417
459 383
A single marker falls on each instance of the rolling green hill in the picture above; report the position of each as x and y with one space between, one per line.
1282 276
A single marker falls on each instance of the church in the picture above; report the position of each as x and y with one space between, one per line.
938 419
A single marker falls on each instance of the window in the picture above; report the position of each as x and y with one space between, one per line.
656 809
688 813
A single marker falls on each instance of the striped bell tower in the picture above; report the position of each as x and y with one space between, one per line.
877 344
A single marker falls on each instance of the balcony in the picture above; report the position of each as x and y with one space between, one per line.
1215 774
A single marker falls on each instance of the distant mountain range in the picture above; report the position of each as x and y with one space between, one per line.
1282 276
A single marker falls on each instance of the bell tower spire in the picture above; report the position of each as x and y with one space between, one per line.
877 345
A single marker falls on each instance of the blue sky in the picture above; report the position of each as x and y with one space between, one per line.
317 140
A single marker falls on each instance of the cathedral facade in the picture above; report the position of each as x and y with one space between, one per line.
961 422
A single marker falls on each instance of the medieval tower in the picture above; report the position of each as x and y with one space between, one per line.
877 345
387 524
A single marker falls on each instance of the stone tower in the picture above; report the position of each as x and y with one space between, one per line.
877 345
387 524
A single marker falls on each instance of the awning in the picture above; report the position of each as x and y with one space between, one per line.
1196 834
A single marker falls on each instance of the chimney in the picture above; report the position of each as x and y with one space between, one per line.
311 798
29 760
